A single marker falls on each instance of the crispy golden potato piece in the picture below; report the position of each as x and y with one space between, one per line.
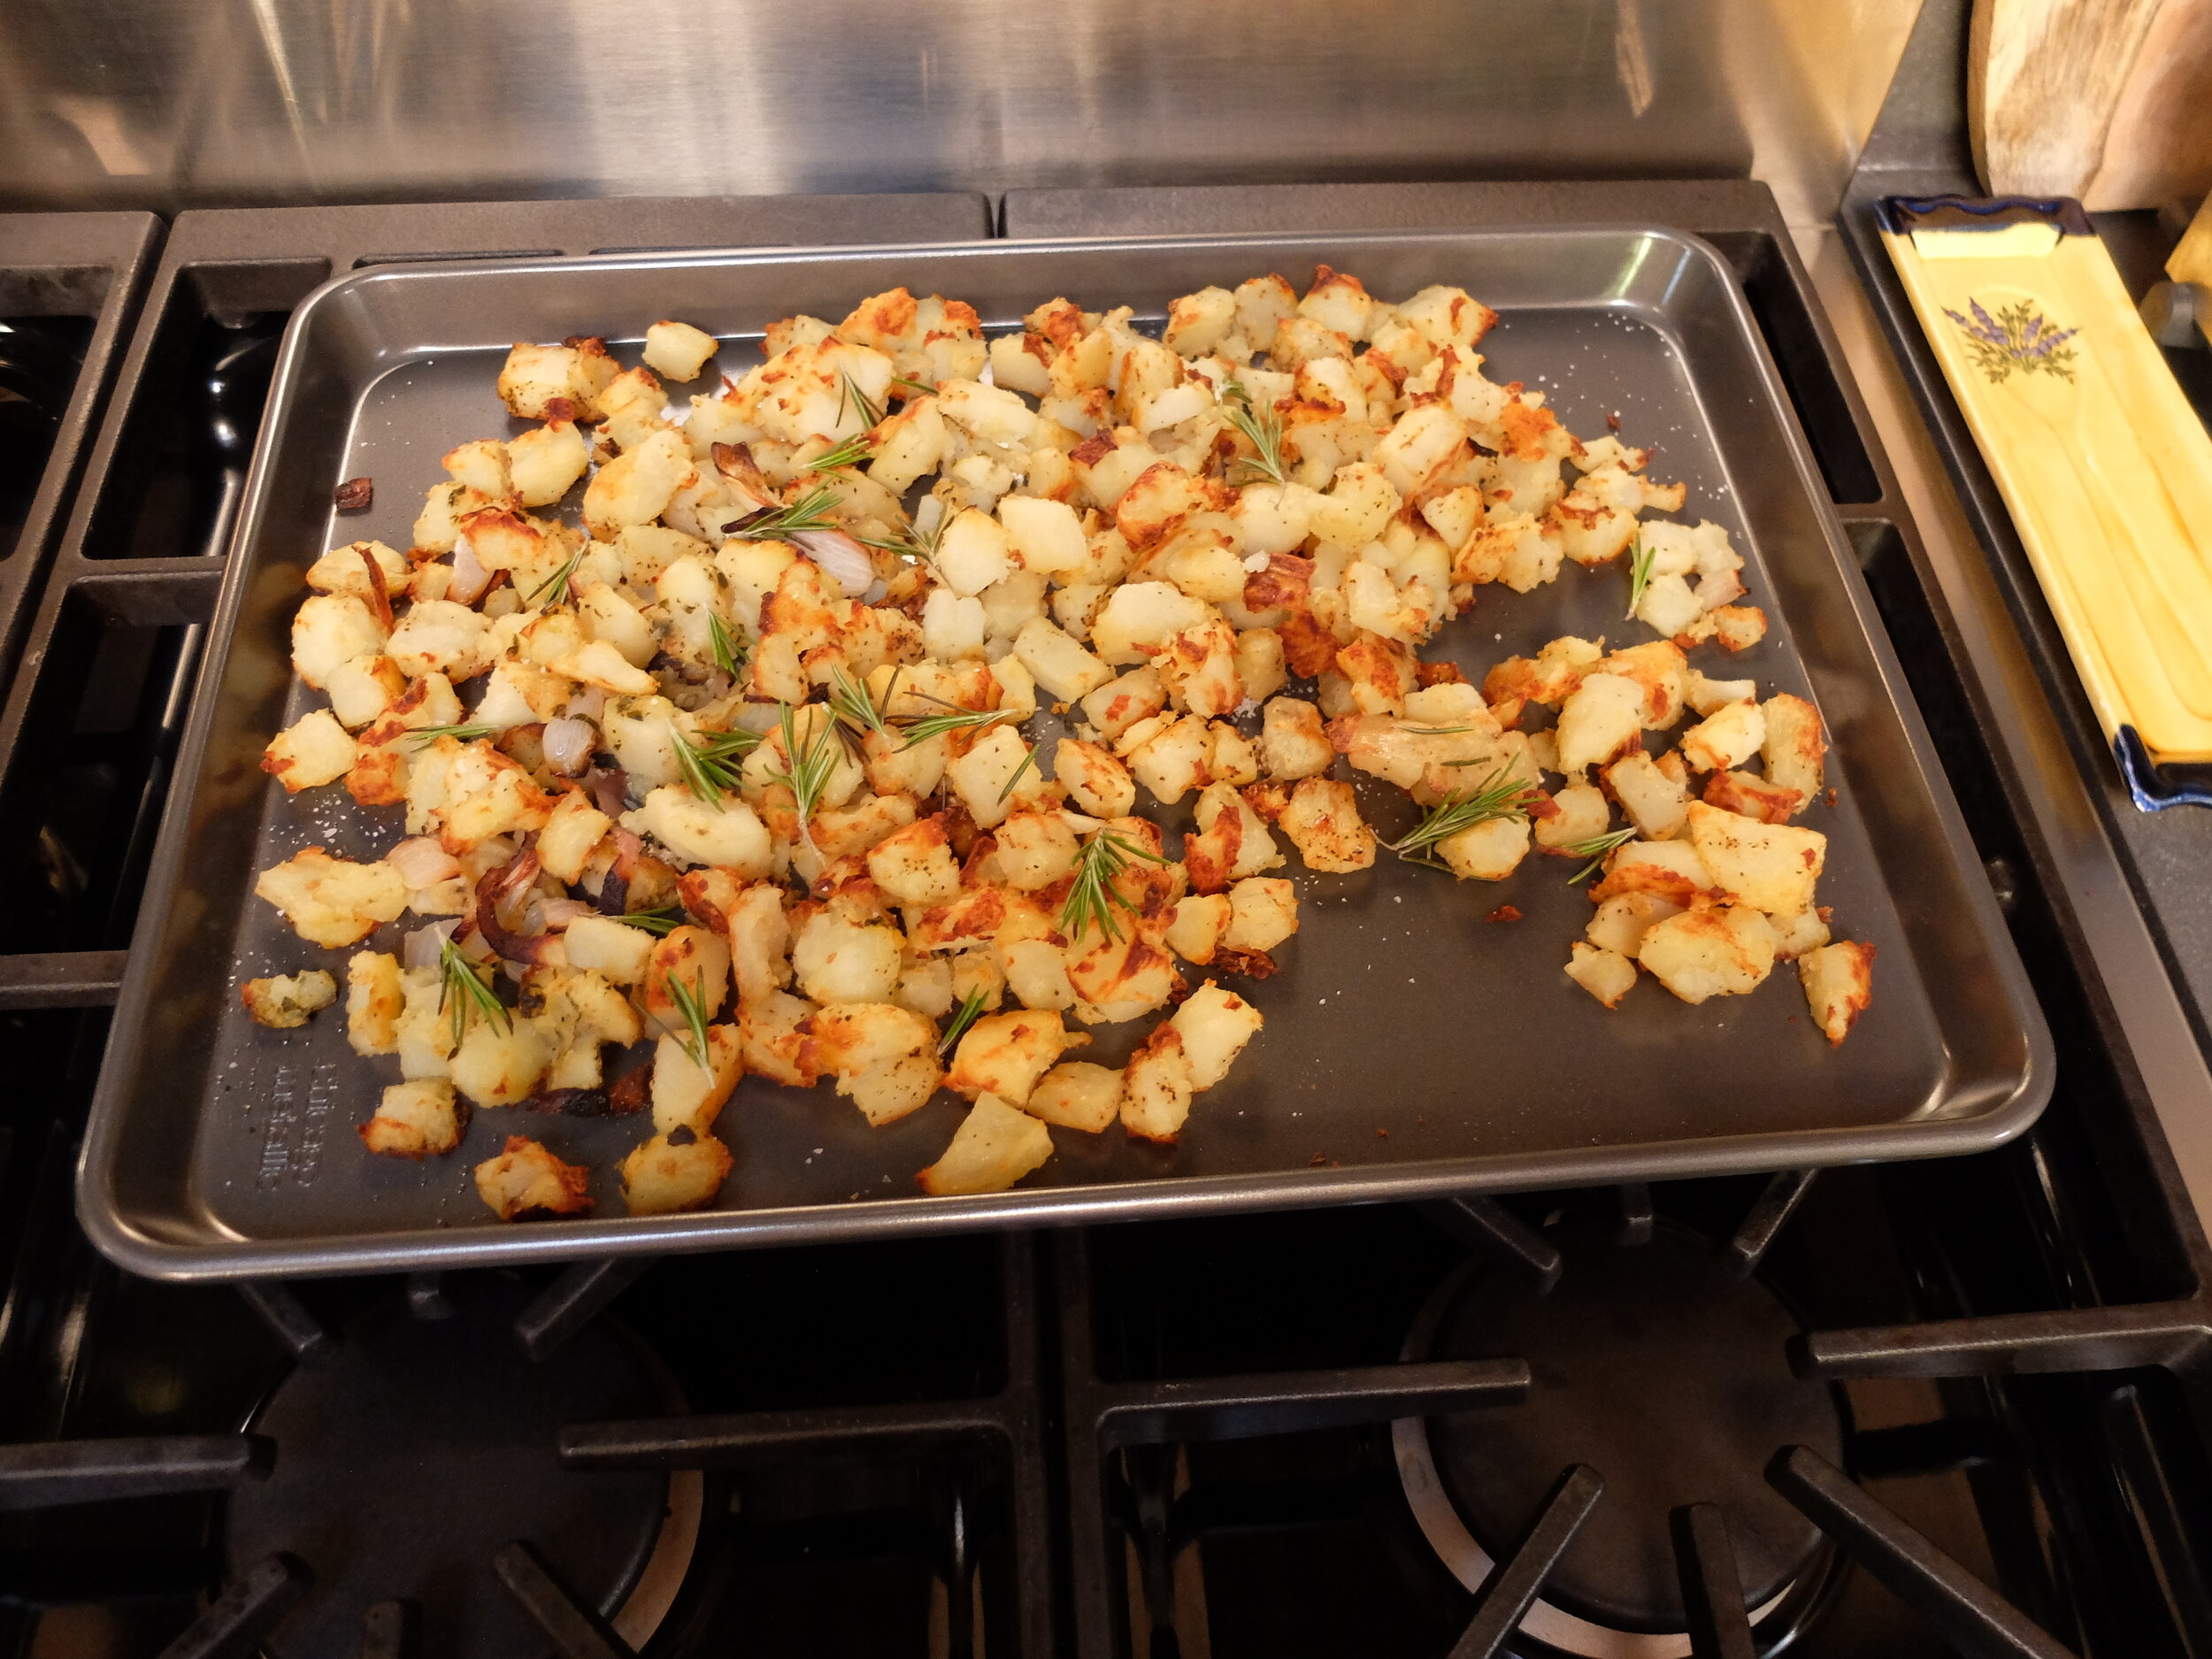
526 1180
1725 951
996 1146
1838 981
332 902
284 1002
1156 1086
1323 824
375 1002
681 1169
1771 867
315 749
1077 1095
1005 1054
1606 974
686 1094
416 1119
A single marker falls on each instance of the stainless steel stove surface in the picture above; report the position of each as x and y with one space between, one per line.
1958 1407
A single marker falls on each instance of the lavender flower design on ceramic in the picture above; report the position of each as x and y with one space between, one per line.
2017 337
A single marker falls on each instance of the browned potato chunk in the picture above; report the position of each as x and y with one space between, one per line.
1770 867
1793 745
332 902
1838 982
1005 1054
1293 741
1670 868
1726 738
996 1146
416 1119
1583 815
1753 797
1656 805
1263 913
1214 1026
915 865
1487 851
697 960
533 378
1200 918
565 843
1623 920
1035 849
285 1001
686 1093
611 948
1323 824
526 1180
682 1170
315 749
1121 703
837 959
1231 842
375 1002
1156 1086
676 351
1077 1095
1602 716
1607 975
1096 782
1726 951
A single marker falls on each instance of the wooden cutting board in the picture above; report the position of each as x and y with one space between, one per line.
2109 101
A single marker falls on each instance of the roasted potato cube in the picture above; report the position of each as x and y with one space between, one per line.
1005 1054
534 378
1096 782
1792 745
438 636
1293 741
1200 918
1122 703
1838 981
1727 737
1200 666
1752 797
1602 716
1800 935
690 956
313 751
1156 1086
1231 842
838 960
1263 913
501 1061
526 1180
676 351
769 1027
915 865
1077 1095
1656 805
688 1095
852 1038
1137 620
1710 696
1606 974
1043 535
1214 1026
1770 867
728 836
1323 822
363 687
1035 849
989 777
611 948
1583 815
1199 322
375 1002
330 629
416 1119
1670 868
995 1147
682 1170
565 843
1623 920
1062 668
894 1089
1487 851
972 553
332 902
1725 951
636 486
1170 759
286 1000
546 461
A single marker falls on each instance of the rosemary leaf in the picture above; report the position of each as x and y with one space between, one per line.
849 700
1263 429
851 397
557 584
464 988
848 454
1093 895
1641 556
810 511
921 727
690 1002
729 657
663 922
1028 761
709 762
1501 795
1595 850
426 734
970 1005
807 771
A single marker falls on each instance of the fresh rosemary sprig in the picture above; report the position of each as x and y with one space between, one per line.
920 388
729 655
850 453
710 761
691 1003
1641 556
426 735
663 922
912 546
810 511
462 987
1029 762
1262 429
970 1005
557 582
1595 850
809 772
1500 795
849 701
851 397
1092 897
921 727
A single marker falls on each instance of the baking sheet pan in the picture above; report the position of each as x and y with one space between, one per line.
1414 1045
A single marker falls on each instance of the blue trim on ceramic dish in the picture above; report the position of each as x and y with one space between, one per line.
2151 786
1901 214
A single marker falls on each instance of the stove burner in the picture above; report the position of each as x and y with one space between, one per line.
1661 1368
416 1451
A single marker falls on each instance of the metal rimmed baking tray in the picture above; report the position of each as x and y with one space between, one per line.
1414 1047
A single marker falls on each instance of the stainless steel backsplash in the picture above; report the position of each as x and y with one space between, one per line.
173 104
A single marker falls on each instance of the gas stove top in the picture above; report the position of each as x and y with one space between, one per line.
1956 1407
